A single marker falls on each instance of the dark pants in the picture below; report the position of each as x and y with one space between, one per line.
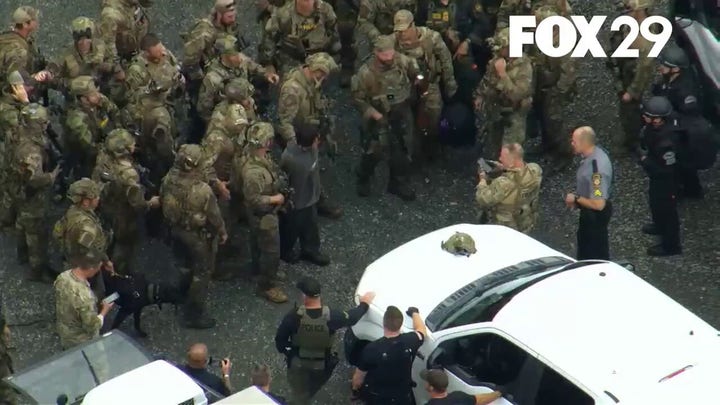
305 381
592 234
195 259
690 183
300 224
372 396
663 210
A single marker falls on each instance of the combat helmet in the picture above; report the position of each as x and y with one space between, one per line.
36 113
657 107
674 57
545 12
119 142
235 119
321 61
15 78
188 157
459 244
83 188
238 89
226 45
259 134
500 40
82 86
82 27
631 5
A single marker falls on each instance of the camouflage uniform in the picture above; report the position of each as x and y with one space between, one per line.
123 197
219 73
635 76
262 179
10 123
386 90
76 310
375 17
435 63
154 87
301 99
18 53
7 395
86 125
290 37
33 188
528 7
238 91
98 62
191 210
505 100
512 199
123 23
555 80
80 231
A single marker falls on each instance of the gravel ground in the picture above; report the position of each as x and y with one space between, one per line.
372 226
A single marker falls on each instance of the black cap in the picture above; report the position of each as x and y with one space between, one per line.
309 286
436 378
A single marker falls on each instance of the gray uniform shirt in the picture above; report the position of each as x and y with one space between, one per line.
594 176
303 169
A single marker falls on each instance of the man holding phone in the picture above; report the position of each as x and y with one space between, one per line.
197 368
77 317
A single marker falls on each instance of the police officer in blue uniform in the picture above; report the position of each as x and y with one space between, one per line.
658 141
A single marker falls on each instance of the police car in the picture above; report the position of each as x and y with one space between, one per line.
697 30
545 328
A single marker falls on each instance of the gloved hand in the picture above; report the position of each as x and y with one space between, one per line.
412 310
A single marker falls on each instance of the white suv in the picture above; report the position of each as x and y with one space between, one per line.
546 328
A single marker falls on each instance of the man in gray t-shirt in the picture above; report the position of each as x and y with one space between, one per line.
591 196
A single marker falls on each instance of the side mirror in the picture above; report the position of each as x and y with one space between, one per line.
625 263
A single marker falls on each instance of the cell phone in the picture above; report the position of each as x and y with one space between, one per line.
111 298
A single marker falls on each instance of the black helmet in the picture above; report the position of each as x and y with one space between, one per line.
674 57
657 107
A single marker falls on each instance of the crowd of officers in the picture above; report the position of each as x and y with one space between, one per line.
121 156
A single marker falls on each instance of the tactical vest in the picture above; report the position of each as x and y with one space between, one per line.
304 33
312 339
208 26
519 209
83 65
424 55
223 155
131 29
310 108
184 201
441 17
29 152
74 218
388 88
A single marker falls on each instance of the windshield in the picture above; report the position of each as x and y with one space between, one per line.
77 371
485 306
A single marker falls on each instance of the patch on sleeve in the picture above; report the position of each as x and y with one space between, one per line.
596 182
690 100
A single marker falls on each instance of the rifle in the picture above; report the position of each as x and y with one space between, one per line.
284 188
57 159
327 129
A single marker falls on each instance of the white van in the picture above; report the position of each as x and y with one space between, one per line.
547 329
248 396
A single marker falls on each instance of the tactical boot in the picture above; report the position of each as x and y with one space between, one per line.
327 209
290 257
22 254
363 188
316 258
275 295
660 251
40 274
202 322
650 229
402 190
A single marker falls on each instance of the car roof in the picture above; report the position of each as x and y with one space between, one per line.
609 329
251 395
424 269
161 382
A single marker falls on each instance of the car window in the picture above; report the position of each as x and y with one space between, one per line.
482 358
556 389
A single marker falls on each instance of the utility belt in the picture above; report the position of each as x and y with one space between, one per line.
203 232
327 362
374 396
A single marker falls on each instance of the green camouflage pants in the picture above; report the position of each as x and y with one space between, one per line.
195 257
503 128
265 248
387 140
549 112
32 237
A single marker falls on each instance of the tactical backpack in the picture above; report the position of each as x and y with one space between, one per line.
700 139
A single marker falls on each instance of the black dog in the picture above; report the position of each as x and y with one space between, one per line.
135 294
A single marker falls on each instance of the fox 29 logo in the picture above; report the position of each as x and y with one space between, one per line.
568 29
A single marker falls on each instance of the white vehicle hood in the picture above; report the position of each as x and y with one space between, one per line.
420 273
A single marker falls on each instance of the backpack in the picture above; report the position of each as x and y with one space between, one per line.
700 141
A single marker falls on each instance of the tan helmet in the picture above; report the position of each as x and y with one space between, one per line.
403 20
633 5
83 188
36 112
384 43
226 45
119 142
25 14
321 61
460 244
236 119
188 157
82 86
501 39
82 26
259 134
15 78
544 12
238 90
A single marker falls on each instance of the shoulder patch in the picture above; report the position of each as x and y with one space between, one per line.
596 184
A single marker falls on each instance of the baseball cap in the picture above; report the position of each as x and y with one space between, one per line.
384 43
309 286
24 14
403 19
437 379
222 6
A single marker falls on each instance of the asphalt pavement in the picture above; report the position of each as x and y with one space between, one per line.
371 226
